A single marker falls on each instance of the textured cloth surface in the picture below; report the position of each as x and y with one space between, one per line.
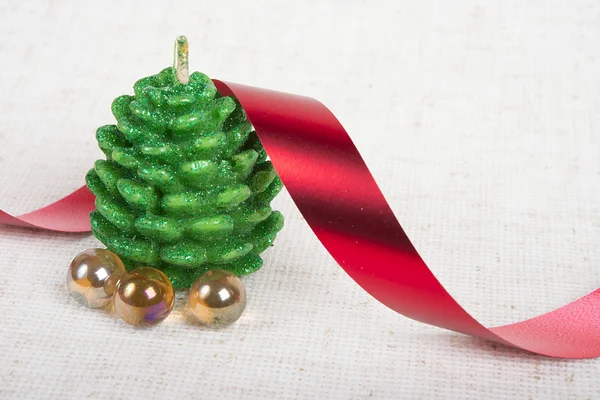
479 121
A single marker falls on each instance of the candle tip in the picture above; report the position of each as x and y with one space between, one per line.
180 59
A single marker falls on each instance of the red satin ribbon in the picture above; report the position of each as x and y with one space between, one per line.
337 195
69 214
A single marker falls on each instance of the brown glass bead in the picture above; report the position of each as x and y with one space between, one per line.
93 275
217 298
144 297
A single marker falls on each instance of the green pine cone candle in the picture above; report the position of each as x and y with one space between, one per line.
186 186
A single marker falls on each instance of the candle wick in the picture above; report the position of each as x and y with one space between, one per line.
180 60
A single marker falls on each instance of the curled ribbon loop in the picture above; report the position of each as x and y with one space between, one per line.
337 195
340 200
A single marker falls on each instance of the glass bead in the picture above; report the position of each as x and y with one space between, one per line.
217 298
93 275
144 297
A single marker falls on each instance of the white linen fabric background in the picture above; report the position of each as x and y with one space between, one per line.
480 121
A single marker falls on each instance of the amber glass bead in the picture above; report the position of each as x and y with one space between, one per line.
93 275
217 298
144 297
